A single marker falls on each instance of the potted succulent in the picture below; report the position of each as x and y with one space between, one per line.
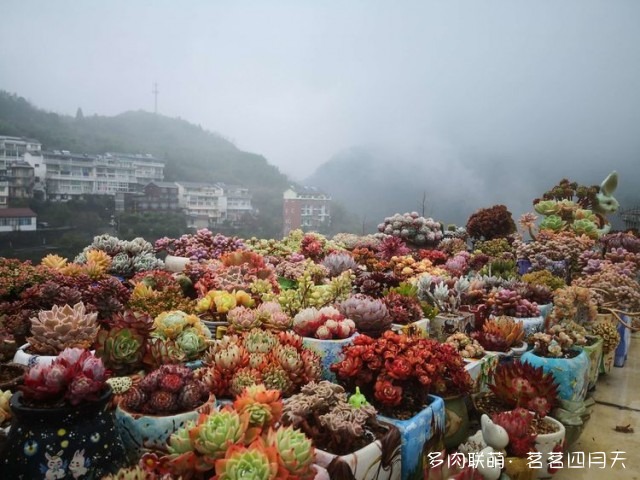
278 360
350 440
593 346
122 347
241 442
325 332
370 315
447 298
555 351
607 330
503 335
267 315
165 399
506 302
399 374
409 314
490 223
54 330
61 426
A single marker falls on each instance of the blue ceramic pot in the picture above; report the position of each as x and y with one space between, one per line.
531 325
623 347
571 374
64 442
329 351
421 434
545 310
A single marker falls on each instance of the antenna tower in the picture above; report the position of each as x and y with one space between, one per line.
155 92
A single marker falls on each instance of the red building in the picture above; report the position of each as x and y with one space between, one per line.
306 208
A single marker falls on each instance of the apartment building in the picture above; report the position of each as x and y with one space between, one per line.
306 208
12 152
204 204
238 203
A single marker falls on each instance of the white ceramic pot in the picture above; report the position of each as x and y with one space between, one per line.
176 264
24 358
547 443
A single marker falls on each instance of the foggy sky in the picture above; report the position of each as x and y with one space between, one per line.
532 84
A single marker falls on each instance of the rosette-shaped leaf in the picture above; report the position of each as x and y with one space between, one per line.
191 343
242 319
122 349
160 351
272 316
369 314
259 341
547 207
216 433
63 327
99 260
55 262
243 378
296 452
262 406
276 378
170 324
553 223
586 227
338 262
256 462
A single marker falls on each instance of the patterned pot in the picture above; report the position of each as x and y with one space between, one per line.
547 443
141 433
329 351
531 325
63 442
23 357
571 374
446 324
480 314
622 351
421 327
456 420
594 351
380 460
420 434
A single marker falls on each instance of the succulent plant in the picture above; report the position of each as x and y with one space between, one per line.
326 323
609 334
490 223
413 228
467 347
122 349
403 309
338 262
502 332
74 376
61 327
256 462
369 314
295 451
517 424
262 406
518 384
509 302
5 409
168 390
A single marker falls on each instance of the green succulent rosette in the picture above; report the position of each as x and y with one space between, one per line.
121 349
553 222
255 462
295 449
216 433
191 342
547 207
585 227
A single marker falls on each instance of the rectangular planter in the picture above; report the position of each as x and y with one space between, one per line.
420 434
421 327
380 460
445 325
481 370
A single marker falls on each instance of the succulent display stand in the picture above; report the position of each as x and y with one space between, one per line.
380 460
445 325
329 351
571 374
141 433
420 434
64 442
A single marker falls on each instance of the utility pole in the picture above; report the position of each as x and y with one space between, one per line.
155 92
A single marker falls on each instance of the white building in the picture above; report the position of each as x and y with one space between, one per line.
204 204
17 220
13 150
238 202
68 175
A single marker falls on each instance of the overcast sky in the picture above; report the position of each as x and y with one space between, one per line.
299 81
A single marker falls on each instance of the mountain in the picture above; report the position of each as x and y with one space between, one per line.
191 153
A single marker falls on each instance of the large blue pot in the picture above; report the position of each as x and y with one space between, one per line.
571 374
421 434
329 351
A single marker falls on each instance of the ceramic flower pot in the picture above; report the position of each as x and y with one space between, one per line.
445 325
531 325
421 434
574 416
64 442
481 370
142 433
547 443
594 351
622 351
571 374
379 460
421 327
23 357
329 351
456 420
606 364
480 314
176 264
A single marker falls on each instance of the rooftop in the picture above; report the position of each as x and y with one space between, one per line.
16 212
